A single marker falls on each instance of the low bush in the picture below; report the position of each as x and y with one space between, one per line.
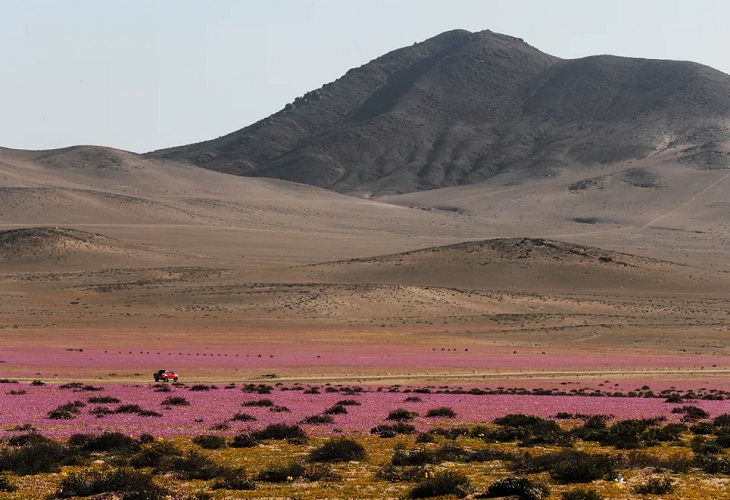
394 473
347 402
401 415
194 465
691 413
133 408
522 487
280 431
243 417
244 440
115 442
567 466
101 411
259 402
442 483
103 400
131 482
289 472
442 411
338 450
6 485
66 411
210 442
199 388
655 486
336 410
581 494
233 478
389 431
157 455
175 401
318 420
34 458
26 439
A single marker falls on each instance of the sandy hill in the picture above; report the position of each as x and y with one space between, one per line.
461 108
532 264
44 248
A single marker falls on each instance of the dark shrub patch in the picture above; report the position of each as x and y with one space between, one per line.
243 417
6 485
293 470
442 483
66 411
133 483
103 399
279 409
413 399
26 439
37 383
691 413
347 402
318 420
721 420
567 466
110 441
34 458
338 450
280 431
210 442
655 486
71 385
146 438
18 393
259 402
233 478
175 401
388 431
199 388
336 410
101 411
194 465
128 409
149 413
162 388
442 411
401 415
582 494
157 455
393 473
244 441
703 428
521 487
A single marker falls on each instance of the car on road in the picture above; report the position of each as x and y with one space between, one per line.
165 376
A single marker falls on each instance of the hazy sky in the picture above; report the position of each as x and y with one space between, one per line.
147 74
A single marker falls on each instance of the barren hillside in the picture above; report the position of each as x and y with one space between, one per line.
461 108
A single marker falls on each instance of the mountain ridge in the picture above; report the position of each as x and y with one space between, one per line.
461 108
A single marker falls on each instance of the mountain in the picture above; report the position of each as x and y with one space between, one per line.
462 108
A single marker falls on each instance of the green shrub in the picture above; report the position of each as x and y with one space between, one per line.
209 442
194 465
131 482
26 439
442 483
655 486
318 420
338 450
233 478
289 472
442 411
175 401
103 400
109 441
34 458
243 417
347 402
581 494
401 415
259 402
6 485
157 455
522 487
280 431
336 410
389 431
244 440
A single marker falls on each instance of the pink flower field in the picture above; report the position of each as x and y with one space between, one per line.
23 406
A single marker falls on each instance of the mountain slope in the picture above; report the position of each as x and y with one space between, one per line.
463 107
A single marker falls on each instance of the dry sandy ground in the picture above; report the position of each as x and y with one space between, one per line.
233 279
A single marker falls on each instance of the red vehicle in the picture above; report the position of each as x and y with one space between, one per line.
165 376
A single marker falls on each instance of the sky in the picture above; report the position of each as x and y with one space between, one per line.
142 75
